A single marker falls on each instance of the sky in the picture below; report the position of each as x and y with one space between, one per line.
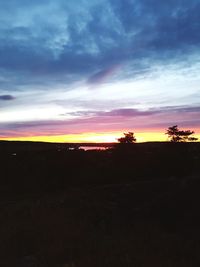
89 70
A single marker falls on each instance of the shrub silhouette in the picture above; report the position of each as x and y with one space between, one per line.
128 138
175 135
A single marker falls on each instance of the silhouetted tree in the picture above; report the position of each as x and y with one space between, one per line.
128 138
176 135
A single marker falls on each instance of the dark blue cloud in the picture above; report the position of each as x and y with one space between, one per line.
6 97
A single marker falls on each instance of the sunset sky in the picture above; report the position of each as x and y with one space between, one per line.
89 70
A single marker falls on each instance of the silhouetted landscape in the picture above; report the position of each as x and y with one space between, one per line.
127 205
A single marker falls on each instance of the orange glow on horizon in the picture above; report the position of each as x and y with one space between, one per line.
102 137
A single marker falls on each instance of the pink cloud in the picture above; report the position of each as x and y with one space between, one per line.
114 120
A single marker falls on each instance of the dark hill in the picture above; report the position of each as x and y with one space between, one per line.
134 205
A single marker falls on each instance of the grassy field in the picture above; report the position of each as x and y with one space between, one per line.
131 206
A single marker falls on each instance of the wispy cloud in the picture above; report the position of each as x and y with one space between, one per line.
81 39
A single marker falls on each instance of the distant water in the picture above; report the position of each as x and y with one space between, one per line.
93 147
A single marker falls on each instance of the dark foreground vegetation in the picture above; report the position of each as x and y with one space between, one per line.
134 205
